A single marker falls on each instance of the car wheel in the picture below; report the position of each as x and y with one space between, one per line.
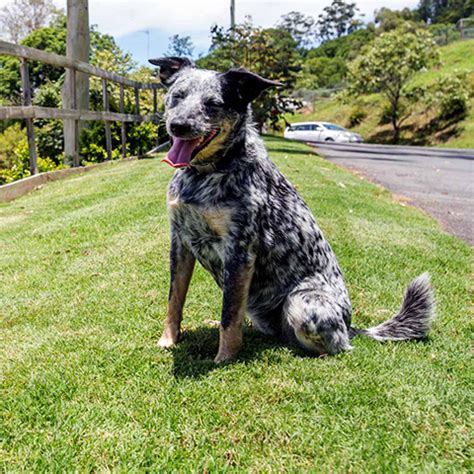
329 140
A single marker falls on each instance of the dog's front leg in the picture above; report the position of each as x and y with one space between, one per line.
238 272
181 270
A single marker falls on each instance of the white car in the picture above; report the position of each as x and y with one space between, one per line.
321 132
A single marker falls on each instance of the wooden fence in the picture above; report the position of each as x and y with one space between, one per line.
29 112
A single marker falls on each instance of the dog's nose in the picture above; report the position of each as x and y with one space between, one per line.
180 129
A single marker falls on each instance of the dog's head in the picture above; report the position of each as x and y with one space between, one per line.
204 108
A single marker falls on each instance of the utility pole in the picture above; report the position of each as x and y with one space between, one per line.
232 14
147 32
77 47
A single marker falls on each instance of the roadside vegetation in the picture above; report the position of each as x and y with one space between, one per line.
426 124
83 386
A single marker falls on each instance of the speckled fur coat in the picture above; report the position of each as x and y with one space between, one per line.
233 211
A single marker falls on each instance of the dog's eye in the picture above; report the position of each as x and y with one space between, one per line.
212 103
176 98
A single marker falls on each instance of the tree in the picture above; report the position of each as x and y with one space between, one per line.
386 67
338 19
270 52
387 19
299 26
444 11
181 46
346 47
322 72
22 17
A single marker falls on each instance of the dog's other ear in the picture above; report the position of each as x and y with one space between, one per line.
246 84
170 66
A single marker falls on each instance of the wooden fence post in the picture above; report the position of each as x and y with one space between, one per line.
76 124
25 83
137 100
108 133
155 112
77 49
123 125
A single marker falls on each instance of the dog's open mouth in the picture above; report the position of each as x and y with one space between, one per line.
184 150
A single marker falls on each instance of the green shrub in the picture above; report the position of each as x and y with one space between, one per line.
385 115
9 139
142 138
356 115
19 161
451 95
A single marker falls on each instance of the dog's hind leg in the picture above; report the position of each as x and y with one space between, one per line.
181 269
317 319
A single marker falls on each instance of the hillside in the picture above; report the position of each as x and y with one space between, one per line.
457 56
83 386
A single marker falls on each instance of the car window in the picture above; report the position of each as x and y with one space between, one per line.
305 127
331 126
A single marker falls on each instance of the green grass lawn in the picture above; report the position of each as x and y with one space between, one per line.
83 387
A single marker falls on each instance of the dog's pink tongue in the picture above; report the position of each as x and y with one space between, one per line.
180 153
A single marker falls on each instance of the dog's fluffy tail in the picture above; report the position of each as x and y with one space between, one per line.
414 319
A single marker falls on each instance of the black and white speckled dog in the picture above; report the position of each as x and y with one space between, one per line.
232 210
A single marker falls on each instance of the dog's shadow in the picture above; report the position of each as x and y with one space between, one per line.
194 356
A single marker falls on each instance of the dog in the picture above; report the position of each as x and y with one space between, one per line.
233 211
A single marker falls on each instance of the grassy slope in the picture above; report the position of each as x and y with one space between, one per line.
83 386
457 56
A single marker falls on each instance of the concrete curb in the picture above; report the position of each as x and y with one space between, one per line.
11 191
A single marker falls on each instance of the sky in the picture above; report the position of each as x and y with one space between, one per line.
143 27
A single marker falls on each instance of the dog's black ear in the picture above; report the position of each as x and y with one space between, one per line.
170 66
246 84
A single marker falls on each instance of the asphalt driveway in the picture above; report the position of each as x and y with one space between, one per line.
438 180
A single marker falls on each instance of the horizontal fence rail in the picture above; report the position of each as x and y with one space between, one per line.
37 112
29 112
11 49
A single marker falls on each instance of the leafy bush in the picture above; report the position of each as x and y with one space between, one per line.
356 115
385 115
9 139
141 138
19 162
451 95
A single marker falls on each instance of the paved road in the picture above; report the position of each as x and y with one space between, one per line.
438 180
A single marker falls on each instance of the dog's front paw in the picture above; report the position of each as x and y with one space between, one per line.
169 339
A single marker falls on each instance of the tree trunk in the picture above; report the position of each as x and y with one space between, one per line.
396 131
395 124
